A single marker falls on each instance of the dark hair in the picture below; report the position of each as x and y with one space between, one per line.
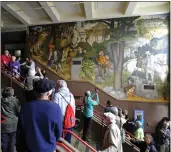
108 102
8 92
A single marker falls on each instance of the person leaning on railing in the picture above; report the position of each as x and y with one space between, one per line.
145 146
89 104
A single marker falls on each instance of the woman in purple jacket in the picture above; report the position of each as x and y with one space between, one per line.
14 66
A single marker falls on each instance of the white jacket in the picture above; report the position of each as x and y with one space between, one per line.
112 140
61 101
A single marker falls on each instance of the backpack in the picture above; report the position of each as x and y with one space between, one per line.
69 118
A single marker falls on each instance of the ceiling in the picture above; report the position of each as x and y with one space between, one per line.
20 15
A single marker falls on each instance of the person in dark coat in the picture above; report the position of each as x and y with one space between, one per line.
147 145
40 121
10 108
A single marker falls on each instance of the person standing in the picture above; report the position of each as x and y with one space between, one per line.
63 97
40 122
139 133
14 66
5 58
112 140
89 104
165 138
10 108
110 108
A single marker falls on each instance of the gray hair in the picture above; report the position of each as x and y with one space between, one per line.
8 92
150 137
62 83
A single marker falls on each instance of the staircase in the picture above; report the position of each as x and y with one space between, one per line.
98 124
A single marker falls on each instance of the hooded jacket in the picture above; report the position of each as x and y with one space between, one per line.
60 97
10 108
89 104
112 140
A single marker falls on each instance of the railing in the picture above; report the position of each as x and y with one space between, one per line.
10 73
79 139
63 144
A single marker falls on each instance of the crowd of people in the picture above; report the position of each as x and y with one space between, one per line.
37 125
118 121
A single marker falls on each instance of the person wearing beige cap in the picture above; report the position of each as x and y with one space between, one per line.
112 140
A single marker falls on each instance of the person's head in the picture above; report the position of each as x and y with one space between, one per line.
139 117
87 93
13 58
115 111
43 89
108 103
138 124
6 52
165 124
109 118
61 84
148 139
8 92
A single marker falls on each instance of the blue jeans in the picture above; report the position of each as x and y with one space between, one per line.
68 136
8 141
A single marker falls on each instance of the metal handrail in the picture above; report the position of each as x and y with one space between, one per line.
79 139
63 146
8 69
67 146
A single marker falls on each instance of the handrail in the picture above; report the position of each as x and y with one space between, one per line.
66 144
63 146
8 69
79 139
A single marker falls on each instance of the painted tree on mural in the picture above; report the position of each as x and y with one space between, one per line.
120 32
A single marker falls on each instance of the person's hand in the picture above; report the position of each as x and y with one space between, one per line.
96 91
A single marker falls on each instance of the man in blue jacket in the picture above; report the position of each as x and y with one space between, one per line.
40 122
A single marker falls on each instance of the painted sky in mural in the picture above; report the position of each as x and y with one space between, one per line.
126 57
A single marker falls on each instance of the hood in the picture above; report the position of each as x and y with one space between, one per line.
110 116
64 91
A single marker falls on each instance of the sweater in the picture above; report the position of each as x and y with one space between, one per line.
89 106
39 127
10 108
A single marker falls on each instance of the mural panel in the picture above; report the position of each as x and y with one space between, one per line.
125 57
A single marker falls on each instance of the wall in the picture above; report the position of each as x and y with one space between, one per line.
14 41
125 57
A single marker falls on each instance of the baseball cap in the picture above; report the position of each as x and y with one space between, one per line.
44 85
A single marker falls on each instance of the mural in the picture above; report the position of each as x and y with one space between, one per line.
125 57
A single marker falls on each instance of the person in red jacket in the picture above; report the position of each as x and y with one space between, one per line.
5 58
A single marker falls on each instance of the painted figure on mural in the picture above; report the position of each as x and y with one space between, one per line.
51 46
101 62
